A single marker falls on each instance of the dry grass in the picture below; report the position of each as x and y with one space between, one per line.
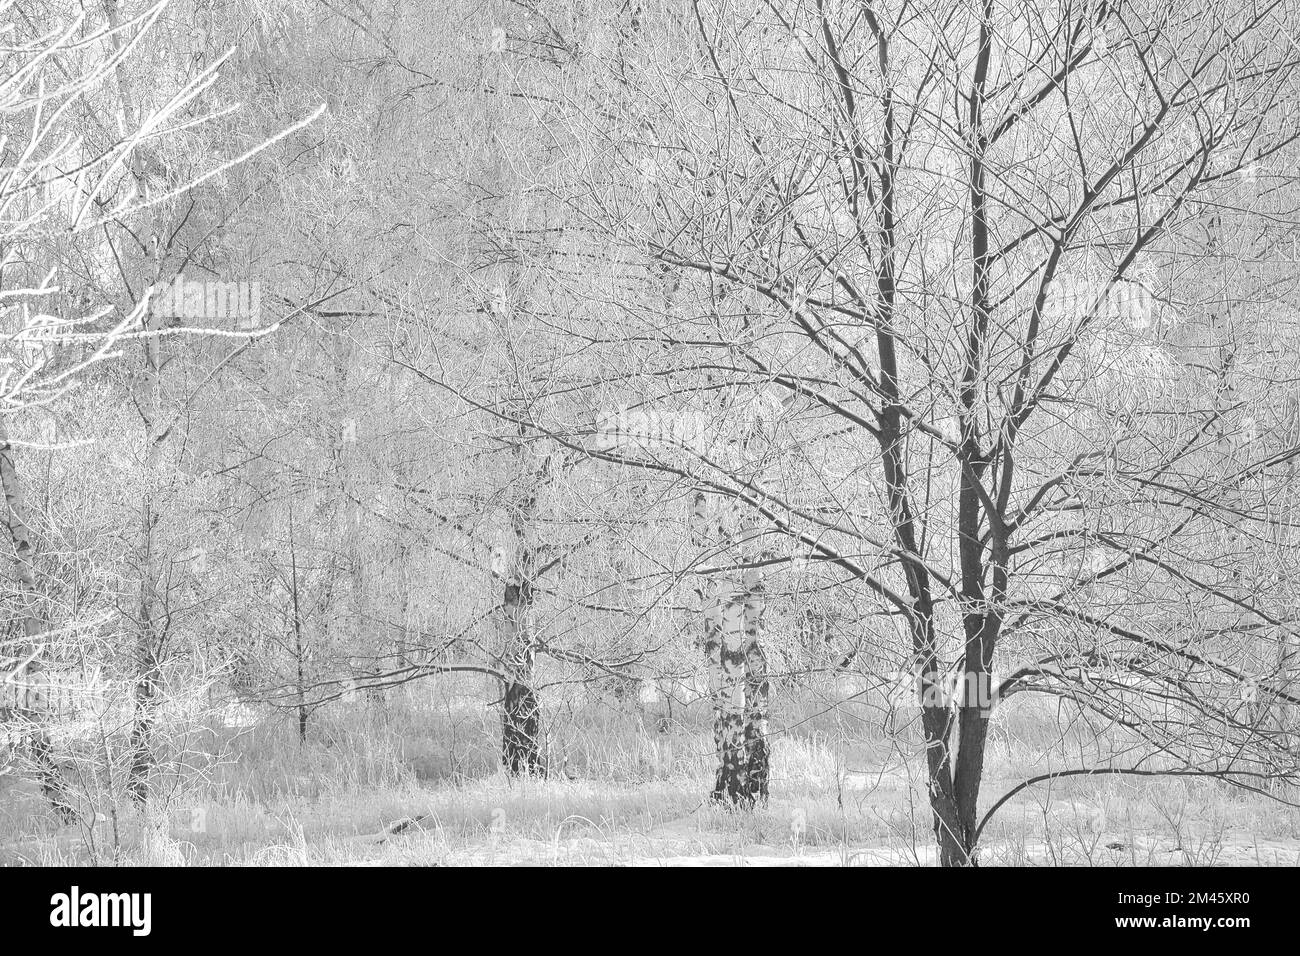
629 789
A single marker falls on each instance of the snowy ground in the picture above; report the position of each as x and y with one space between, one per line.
634 799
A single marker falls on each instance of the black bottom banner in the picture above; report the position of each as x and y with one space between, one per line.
339 906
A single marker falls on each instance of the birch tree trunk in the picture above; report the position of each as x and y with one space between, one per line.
757 688
732 785
722 606
521 714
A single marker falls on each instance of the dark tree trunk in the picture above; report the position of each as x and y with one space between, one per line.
521 715
142 755
521 732
53 787
970 771
41 752
955 783
937 721
297 635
